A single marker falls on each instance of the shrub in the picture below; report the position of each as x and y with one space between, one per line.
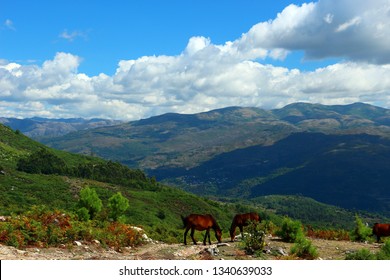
290 231
254 242
117 205
53 227
384 253
303 248
362 254
361 231
83 214
328 234
91 201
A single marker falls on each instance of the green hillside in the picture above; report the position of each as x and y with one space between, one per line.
153 206
334 154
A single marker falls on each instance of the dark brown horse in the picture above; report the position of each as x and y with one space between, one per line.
242 220
201 222
380 230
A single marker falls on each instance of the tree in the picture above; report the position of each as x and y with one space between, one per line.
42 162
91 201
117 205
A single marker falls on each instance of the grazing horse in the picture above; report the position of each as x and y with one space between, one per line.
380 230
240 221
201 222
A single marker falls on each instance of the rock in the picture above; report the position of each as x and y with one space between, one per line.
77 243
223 244
213 251
137 228
4 218
282 251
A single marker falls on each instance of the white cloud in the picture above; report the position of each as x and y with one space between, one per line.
345 26
9 24
71 36
206 76
353 29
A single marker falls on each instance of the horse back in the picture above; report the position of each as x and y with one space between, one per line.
199 222
243 219
381 229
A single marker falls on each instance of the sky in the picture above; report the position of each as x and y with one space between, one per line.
130 60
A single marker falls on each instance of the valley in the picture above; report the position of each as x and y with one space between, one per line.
326 153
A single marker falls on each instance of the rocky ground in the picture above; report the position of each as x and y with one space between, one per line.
276 249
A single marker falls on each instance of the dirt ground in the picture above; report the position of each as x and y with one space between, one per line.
275 249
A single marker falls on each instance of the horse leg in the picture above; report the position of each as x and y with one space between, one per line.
205 237
185 236
242 232
192 235
232 233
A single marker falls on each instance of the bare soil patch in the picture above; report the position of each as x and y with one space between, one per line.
276 249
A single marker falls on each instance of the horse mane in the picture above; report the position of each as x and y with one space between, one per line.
215 224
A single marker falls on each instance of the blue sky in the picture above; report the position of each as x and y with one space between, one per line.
135 59
104 33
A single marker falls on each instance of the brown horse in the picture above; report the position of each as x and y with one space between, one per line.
201 222
380 230
240 221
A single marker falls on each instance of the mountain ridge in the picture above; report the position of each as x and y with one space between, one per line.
201 152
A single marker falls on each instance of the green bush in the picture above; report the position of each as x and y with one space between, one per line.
117 205
254 242
365 254
361 231
303 248
83 214
290 231
91 201
384 253
362 254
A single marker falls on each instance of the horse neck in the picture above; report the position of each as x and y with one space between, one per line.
215 227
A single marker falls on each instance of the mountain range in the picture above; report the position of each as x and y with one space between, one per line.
339 155
38 128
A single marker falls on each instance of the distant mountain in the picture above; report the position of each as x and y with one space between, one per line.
349 171
187 140
338 155
42 127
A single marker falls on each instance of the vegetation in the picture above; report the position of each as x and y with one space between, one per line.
117 205
90 200
303 248
361 232
364 254
87 198
254 241
327 153
42 227
290 231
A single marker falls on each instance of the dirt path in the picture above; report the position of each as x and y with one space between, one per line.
276 249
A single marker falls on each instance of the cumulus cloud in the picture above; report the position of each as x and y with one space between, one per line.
353 29
206 76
